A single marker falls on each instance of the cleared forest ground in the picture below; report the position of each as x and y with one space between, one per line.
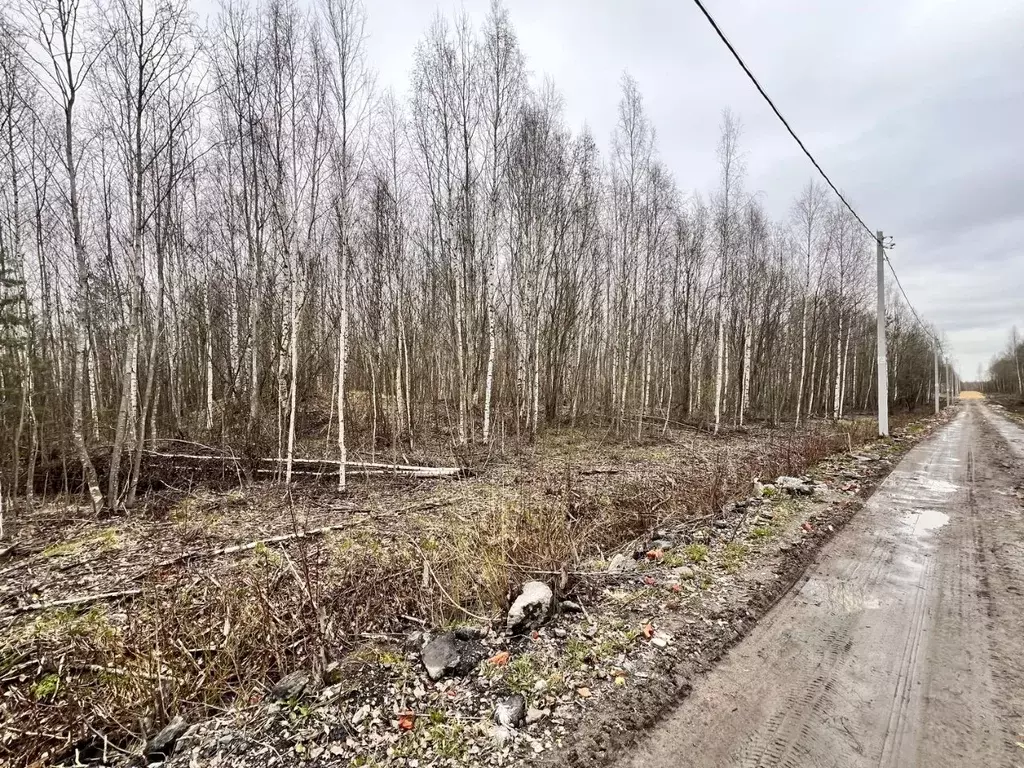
198 602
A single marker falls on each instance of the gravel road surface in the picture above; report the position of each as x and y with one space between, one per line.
903 645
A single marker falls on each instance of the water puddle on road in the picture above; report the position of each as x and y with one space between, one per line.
927 520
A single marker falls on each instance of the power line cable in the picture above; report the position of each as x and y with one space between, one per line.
778 114
767 98
907 298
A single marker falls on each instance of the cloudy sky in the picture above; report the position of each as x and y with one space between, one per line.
915 108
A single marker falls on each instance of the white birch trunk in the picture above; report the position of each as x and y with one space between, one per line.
208 360
803 361
535 420
342 358
837 391
719 368
745 389
94 407
645 397
293 350
813 377
489 381
842 374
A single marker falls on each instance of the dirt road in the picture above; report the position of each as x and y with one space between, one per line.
903 645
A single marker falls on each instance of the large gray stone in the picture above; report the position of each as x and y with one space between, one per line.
448 655
291 686
164 742
531 608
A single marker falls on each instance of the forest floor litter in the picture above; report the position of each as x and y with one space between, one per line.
243 627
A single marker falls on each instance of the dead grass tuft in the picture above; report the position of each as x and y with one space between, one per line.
210 632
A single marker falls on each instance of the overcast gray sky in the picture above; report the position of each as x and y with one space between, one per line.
915 108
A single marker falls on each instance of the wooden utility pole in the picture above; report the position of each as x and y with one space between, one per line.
883 371
936 387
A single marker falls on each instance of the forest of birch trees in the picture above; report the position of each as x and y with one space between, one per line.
224 233
1006 372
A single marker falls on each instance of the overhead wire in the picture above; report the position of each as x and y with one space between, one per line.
778 114
905 297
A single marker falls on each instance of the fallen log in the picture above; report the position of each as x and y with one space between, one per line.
325 466
250 545
234 549
81 600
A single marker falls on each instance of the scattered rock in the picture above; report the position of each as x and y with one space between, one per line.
470 633
684 572
536 715
361 714
162 745
501 734
415 639
531 608
621 564
569 606
661 639
511 712
721 524
795 485
449 656
291 685
189 738
662 544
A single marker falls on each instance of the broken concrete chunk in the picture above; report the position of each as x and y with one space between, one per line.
531 608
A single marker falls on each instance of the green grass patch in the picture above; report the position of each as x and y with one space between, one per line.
100 541
733 556
696 553
45 687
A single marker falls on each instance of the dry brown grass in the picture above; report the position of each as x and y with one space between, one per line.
213 631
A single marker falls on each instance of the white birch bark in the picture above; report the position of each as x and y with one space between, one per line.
208 360
745 388
719 368
293 356
837 391
341 363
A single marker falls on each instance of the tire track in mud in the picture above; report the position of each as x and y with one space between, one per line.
1001 547
888 652
781 742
